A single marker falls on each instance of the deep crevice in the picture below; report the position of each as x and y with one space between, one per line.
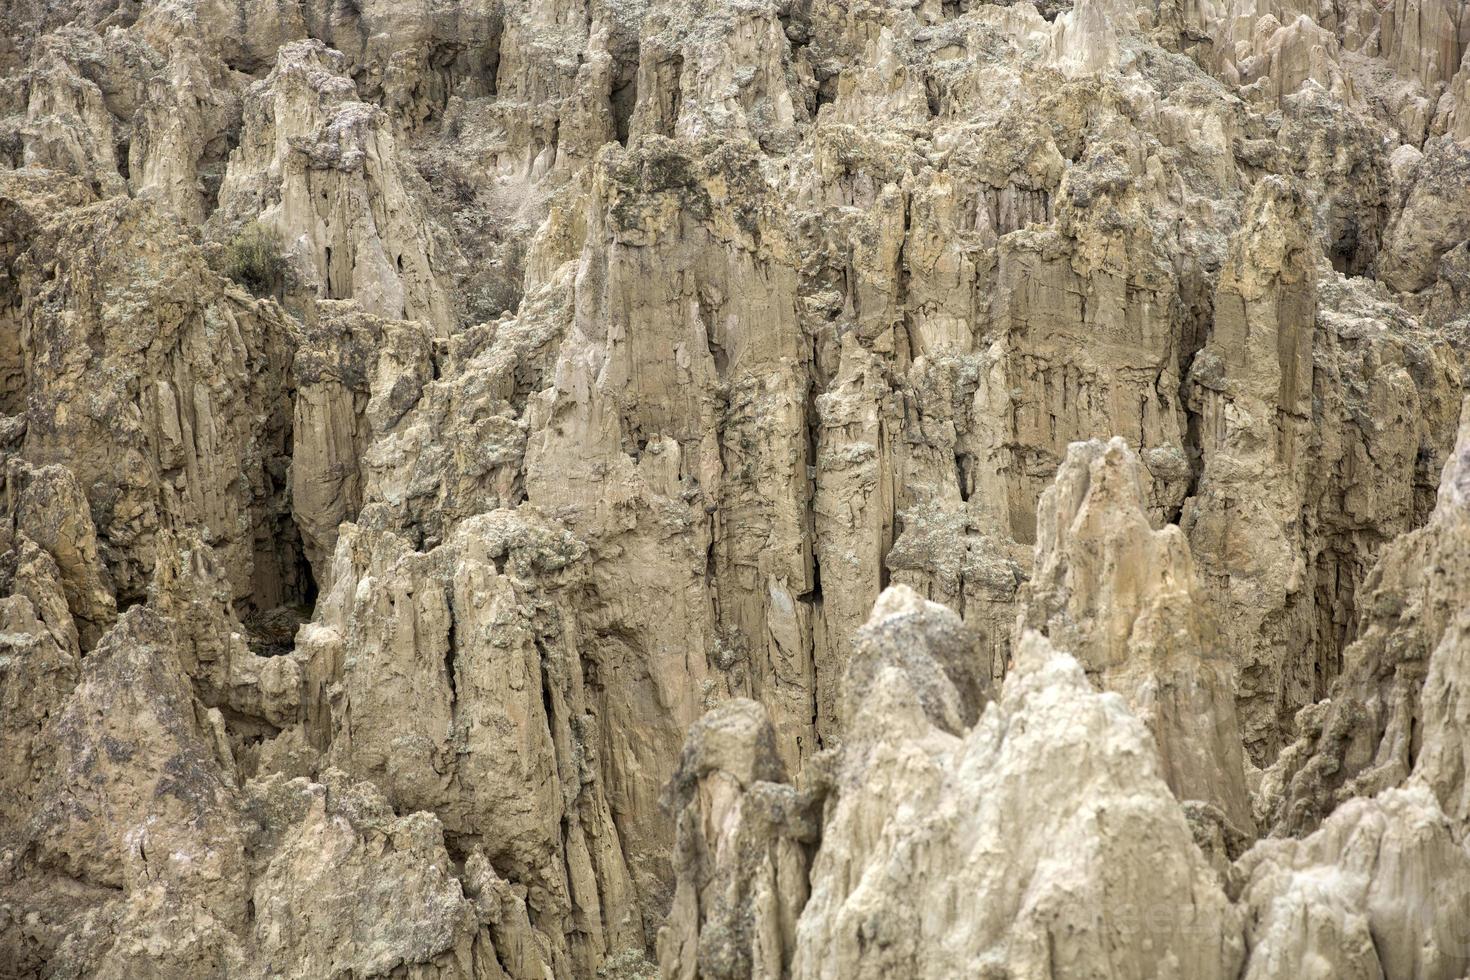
825 94
451 655
963 463
623 98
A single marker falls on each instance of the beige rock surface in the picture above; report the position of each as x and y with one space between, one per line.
356 375
1126 599
1380 890
1041 842
1370 735
741 858
787 488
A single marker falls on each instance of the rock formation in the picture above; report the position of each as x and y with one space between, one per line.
1375 729
784 489
1125 598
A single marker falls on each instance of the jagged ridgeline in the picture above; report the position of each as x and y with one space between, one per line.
709 490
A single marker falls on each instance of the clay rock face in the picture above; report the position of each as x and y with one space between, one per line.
1442 760
705 454
918 867
191 590
182 131
1277 388
1125 598
740 855
135 797
1370 734
321 170
50 511
1275 59
946 833
1253 381
930 643
1380 890
41 653
539 487
1434 218
345 886
102 876
159 386
356 375
67 124
1424 40
480 637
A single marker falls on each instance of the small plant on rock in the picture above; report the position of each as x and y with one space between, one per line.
253 259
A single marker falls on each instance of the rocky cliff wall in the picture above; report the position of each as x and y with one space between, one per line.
790 488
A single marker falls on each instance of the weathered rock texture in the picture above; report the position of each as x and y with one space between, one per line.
1126 599
788 488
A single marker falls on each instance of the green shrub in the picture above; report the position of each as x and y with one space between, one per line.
629 964
253 259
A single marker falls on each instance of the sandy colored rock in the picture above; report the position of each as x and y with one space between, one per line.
355 375
741 858
1126 599
321 171
1378 891
1370 734
922 817
587 488
160 386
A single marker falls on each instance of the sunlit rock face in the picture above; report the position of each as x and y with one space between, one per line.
780 489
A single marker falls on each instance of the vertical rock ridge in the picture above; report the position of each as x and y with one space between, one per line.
600 488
